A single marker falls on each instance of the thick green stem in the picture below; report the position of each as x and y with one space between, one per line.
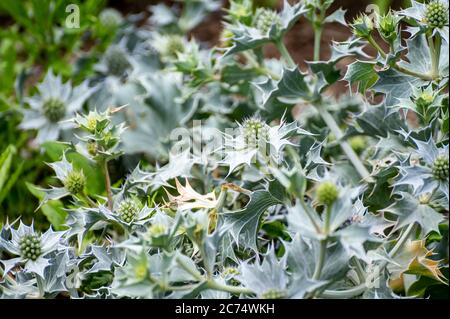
359 270
285 53
375 44
323 245
358 290
320 263
435 50
308 213
88 200
351 155
402 240
211 284
189 270
317 40
343 294
425 77
108 185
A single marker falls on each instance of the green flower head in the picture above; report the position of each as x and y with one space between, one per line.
362 26
54 109
116 61
436 14
75 182
30 246
128 209
265 19
327 193
440 168
255 131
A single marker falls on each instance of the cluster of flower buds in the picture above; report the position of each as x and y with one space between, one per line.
128 209
327 193
54 109
363 26
440 168
255 131
103 136
436 14
240 12
30 247
388 27
116 61
110 18
265 19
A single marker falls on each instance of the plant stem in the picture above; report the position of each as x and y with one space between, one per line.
402 240
323 245
435 50
352 156
355 291
108 185
88 200
317 40
425 77
321 261
375 44
188 269
347 293
359 270
285 53
308 213
211 284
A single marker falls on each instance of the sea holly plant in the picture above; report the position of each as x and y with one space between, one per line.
200 171
55 102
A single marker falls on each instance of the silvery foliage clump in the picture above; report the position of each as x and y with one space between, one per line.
310 196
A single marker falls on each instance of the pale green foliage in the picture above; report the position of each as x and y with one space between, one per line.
185 171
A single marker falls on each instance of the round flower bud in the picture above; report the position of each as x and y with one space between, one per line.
230 271
440 168
91 122
362 26
170 45
157 230
226 37
274 294
54 109
265 18
358 144
140 271
75 182
128 210
110 18
30 247
424 100
255 131
116 61
436 15
327 193
388 27
424 199
92 147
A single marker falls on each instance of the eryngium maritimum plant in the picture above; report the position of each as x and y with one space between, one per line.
215 172
55 102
